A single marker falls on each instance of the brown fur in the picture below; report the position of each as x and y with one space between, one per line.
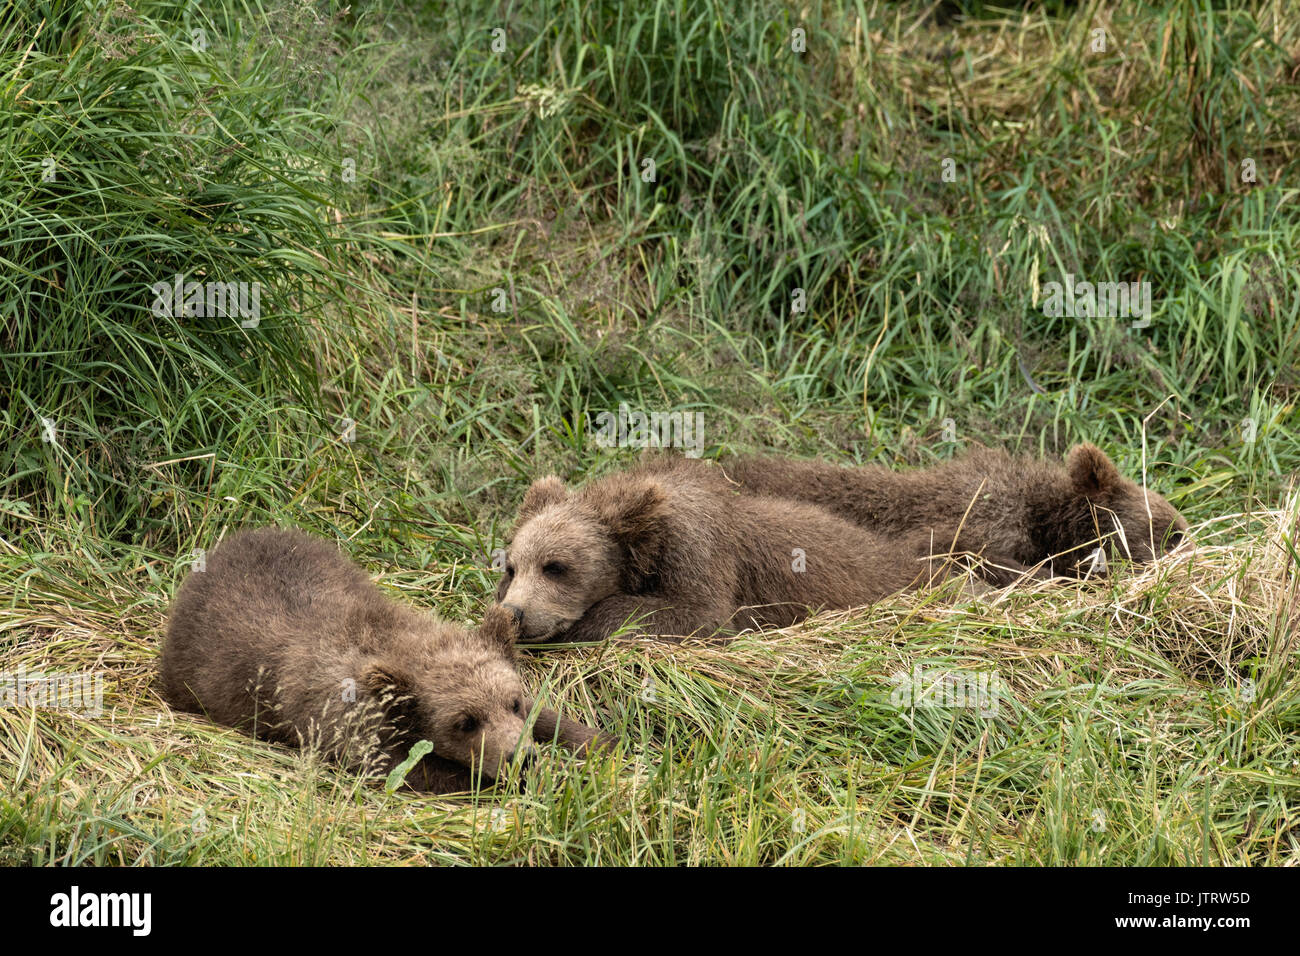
1020 514
280 630
676 546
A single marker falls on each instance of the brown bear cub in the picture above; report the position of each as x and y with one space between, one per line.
285 639
675 549
1019 514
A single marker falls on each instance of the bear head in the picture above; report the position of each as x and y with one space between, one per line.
570 550
462 694
1136 523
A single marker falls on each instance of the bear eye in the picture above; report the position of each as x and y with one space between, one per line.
519 706
554 569
510 570
467 724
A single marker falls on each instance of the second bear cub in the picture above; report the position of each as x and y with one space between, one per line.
676 549
1020 514
287 640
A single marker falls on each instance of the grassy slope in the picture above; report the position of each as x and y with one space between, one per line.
1128 733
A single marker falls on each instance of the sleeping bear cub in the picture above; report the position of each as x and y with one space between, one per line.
285 639
1023 516
674 549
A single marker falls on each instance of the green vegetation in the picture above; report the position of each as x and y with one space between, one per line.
464 255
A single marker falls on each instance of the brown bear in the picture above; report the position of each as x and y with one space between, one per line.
1020 514
675 549
285 639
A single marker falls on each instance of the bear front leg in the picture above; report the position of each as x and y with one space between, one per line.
645 614
995 569
434 774
1001 571
550 727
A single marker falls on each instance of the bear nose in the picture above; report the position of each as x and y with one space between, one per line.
524 756
518 612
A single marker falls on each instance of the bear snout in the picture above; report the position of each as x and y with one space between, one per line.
517 611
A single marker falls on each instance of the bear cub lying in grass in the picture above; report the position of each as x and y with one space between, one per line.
673 547
1019 514
285 639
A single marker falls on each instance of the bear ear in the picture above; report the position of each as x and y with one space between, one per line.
632 508
500 628
1091 472
392 688
542 493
